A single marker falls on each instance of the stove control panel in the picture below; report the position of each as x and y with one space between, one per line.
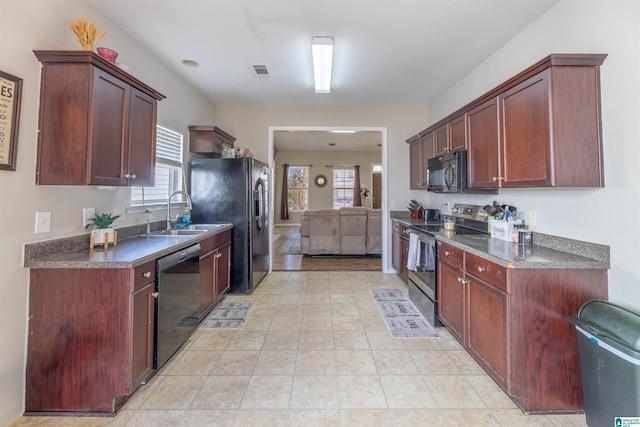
472 212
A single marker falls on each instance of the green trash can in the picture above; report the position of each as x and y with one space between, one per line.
609 348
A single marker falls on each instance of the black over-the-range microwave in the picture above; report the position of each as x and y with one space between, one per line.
447 173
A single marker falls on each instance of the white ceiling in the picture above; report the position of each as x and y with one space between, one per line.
386 52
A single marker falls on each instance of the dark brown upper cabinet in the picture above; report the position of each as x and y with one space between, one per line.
97 123
208 140
451 136
541 128
420 150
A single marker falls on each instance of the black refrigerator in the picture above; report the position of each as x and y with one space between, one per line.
236 191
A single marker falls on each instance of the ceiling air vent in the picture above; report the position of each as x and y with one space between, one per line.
261 70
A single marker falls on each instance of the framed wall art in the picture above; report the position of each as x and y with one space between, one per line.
10 94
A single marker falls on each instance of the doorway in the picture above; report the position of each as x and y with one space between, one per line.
276 180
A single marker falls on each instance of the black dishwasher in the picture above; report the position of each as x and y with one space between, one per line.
177 302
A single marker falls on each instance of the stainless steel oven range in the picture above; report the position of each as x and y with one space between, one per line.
423 257
422 272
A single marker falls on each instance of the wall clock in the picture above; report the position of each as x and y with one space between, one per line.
321 180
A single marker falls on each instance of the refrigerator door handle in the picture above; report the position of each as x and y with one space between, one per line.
260 210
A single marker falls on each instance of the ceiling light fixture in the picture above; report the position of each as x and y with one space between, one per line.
322 52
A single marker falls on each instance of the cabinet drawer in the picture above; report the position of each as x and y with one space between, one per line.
486 271
450 254
210 243
143 275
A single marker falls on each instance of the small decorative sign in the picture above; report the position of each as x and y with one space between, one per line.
10 94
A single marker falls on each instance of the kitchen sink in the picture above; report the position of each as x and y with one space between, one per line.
205 227
190 230
177 232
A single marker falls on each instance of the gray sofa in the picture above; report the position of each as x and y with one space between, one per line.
344 231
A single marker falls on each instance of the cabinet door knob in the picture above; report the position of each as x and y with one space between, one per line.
481 269
147 274
155 294
447 253
494 179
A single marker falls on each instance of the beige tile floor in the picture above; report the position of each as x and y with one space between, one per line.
316 352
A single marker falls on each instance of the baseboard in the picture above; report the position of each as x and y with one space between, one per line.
287 225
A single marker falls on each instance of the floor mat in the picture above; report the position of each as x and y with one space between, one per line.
402 318
291 245
228 315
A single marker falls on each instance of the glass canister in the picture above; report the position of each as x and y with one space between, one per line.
449 223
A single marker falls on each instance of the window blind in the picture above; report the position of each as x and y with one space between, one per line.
168 175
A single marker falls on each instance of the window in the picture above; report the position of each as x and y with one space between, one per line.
343 180
169 147
298 183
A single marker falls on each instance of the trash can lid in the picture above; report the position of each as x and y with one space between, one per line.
607 320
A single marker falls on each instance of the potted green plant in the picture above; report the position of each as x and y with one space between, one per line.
102 226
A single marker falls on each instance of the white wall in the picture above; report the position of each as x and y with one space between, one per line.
28 25
321 197
607 215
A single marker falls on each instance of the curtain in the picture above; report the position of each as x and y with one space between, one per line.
357 198
284 200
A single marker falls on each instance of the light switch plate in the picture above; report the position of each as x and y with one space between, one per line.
43 222
86 214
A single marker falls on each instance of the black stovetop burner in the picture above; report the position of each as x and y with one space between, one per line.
429 226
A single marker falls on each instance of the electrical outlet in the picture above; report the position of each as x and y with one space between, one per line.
119 210
393 204
43 222
533 216
86 214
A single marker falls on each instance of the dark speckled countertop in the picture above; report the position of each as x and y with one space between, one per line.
547 252
134 250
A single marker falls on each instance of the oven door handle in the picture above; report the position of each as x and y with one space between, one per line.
423 238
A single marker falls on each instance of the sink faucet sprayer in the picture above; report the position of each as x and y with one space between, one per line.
189 205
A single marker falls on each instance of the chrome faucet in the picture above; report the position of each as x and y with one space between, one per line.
189 205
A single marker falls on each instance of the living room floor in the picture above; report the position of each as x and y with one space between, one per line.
315 351
286 262
299 262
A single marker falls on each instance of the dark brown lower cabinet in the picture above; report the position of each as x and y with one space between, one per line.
90 341
516 324
451 298
400 249
215 270
487 330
